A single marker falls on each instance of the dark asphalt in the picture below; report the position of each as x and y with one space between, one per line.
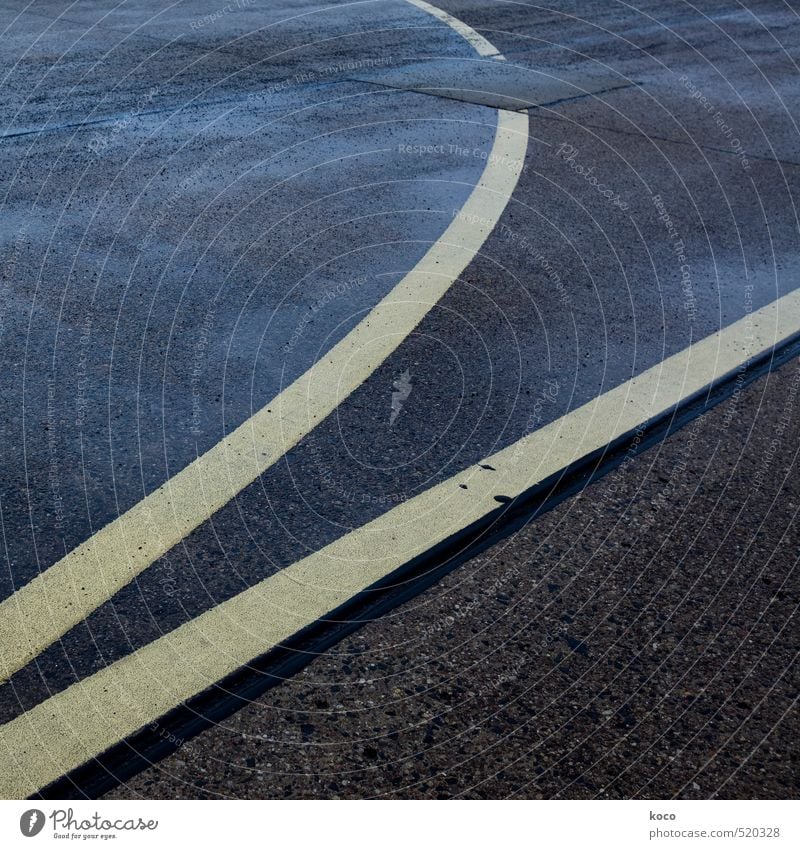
185 198
639 641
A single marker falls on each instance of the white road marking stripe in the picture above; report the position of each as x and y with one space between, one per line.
79 723
63 595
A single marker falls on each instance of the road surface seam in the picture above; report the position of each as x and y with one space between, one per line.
644 134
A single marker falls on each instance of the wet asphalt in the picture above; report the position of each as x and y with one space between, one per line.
197 204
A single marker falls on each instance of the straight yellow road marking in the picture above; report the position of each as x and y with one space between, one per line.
63 595
82 721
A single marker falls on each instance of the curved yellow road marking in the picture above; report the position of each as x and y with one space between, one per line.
82 721
478 42
43 610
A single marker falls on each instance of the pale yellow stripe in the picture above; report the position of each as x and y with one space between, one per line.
84 720
478 42
67 592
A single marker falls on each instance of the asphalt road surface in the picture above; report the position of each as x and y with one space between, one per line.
649 655
303 306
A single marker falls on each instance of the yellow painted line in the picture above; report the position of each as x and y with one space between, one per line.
42 611
478 42
81 722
